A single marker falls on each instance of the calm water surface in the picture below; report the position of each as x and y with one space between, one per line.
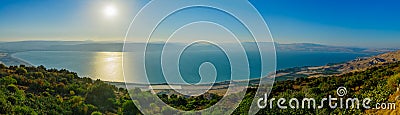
108 65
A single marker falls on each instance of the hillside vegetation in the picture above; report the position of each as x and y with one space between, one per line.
378 83
37 90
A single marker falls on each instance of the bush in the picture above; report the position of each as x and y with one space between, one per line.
45 94
41 67
37 75
393 81
12 88
8 80
100 95
71 93
12 100
29 95
129 108
2 66
21 71
25 110
5 105
96 113
29 90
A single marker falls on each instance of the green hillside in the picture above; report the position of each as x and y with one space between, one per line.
378 83
37 90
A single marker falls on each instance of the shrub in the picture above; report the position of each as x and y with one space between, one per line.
2 66
129 108
99 95
37 75
393 81
8 80
25 110
12 88
21 71
12 100
5 105
96 113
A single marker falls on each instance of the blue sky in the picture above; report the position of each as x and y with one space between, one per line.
340 22
367 23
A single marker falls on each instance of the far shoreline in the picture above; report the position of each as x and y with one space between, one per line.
10 60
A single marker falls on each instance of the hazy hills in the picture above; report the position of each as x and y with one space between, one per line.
117 46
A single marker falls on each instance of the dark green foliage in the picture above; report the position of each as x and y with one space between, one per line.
8 80
24 110
190 103
37 75
101 95
2 66
12 88
5 105
129 108
96 113
36 90
21 71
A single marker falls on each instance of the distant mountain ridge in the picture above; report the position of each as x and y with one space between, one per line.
117 46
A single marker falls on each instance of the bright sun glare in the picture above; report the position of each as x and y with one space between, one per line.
110 11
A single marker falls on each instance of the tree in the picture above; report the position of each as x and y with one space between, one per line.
21 71
37 75
2 66
8 80
41 67
12 100
100 95
393 81
12 88
30 90
5 105
76 101
71 92
129 108
96 113
25 110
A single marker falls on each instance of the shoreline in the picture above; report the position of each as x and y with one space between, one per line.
19 59
9 59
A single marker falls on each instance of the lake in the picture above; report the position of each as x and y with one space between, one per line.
108 65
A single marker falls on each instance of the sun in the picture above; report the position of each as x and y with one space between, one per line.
110 11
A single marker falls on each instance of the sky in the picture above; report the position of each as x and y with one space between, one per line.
367 23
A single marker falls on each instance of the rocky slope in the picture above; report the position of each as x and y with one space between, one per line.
364 63
359 64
